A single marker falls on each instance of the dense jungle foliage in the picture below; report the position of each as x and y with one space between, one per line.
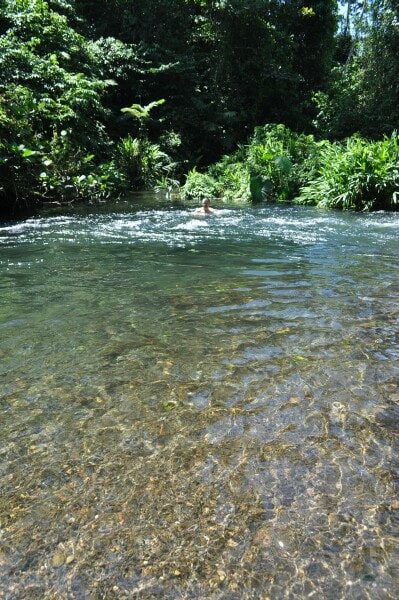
246 100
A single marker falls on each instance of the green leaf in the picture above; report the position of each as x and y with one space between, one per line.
255 187
283 163
142 112
27 152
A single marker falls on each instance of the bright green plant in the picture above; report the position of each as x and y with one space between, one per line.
199 185
141 112
272 166
356 175
141 163
50 105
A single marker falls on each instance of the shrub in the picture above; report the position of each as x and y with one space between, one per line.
141 163
273 166
357 175
200 185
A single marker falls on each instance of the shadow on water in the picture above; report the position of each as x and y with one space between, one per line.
136 201
130 204
199 408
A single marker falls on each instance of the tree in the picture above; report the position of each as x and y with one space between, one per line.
379 64
51 115
223 66
363 95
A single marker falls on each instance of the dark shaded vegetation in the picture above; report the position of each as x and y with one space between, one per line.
98 99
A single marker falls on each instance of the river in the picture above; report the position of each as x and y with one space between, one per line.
199 407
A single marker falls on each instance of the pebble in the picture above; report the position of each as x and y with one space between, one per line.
58 559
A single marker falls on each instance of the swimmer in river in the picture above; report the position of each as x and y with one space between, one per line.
205 209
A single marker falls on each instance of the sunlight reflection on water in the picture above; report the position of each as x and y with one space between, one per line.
200 408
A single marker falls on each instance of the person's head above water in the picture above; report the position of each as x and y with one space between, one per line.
205 208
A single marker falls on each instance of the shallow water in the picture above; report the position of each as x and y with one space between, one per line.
200 408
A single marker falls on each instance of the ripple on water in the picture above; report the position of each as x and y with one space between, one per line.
200 408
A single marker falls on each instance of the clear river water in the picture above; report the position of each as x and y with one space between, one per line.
199 407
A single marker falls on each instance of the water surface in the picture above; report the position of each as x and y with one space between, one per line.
199 408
